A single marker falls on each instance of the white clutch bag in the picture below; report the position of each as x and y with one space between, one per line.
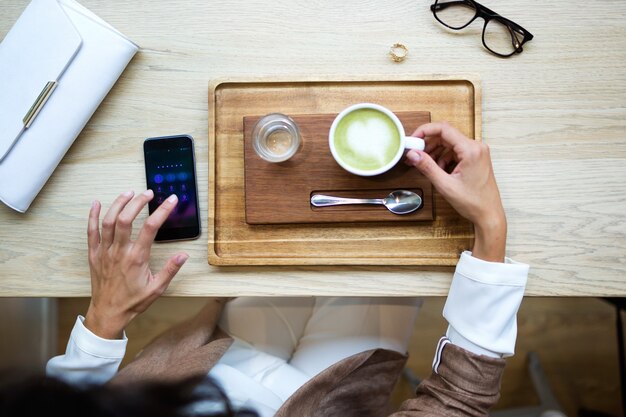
57 63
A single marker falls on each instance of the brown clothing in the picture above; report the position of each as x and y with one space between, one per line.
360 385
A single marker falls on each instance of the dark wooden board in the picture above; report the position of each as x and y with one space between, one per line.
279 193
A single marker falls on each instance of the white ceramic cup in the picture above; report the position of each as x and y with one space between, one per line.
406 142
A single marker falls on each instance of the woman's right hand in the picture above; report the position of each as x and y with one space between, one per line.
460 169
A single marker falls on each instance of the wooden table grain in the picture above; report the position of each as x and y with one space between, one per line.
554 116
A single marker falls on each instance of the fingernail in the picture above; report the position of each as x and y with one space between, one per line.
94 203
128 193
414 157
172 198
181 259
148 193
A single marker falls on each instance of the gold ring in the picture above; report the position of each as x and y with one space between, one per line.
398 52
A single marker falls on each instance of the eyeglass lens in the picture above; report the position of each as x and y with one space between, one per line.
454 13
497 36
500 38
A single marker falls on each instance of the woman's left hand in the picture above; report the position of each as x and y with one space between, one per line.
122 284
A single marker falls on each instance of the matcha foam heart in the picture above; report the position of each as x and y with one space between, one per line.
366 139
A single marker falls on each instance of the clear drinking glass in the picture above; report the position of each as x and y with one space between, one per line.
276 137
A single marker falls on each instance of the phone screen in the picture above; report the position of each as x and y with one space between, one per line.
170 169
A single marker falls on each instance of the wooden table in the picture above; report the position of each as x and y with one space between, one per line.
554 116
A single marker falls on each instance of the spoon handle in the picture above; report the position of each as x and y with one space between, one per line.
319 200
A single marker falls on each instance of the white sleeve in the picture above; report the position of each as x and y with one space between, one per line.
482 305
88 358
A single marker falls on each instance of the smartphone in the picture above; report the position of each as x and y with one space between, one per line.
171 169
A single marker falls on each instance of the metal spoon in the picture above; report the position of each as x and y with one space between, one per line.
398 202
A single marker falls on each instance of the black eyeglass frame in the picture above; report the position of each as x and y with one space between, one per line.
486 14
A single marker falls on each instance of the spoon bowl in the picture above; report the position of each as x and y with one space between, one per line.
402 202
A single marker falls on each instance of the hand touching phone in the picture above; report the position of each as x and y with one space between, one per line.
122 284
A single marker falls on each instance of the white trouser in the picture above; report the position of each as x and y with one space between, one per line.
281 343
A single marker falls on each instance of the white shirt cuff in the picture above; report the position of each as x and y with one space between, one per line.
95 345
88 358
483 301
457 339
508 272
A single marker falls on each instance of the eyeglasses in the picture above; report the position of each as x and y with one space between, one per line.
501 36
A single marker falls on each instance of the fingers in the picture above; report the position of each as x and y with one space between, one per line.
108 223
124 223
445 159
432 144
449 136
437 152
155 221
429 168
170 269
93 227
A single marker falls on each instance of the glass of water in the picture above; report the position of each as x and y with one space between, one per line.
276 137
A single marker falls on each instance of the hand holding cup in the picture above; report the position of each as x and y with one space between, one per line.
461 170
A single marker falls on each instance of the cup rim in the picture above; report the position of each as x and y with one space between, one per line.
362 172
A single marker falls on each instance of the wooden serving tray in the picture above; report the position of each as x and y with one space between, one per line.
314 171
232 241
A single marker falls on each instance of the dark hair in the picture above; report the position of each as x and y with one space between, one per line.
39 396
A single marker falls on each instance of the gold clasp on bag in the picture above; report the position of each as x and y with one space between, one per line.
39 103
